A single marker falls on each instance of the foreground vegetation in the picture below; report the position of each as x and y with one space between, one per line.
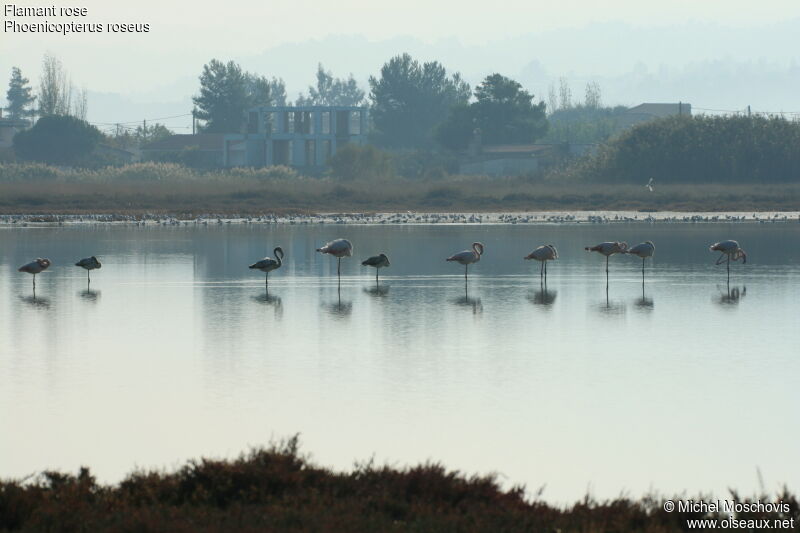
279 489
177 190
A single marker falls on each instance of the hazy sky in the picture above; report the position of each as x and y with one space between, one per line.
184 35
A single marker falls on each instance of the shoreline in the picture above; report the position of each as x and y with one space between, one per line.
405 218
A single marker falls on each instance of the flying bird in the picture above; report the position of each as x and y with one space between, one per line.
89 264
378 261
650 185
338 248
36 266
467 257
730 250
269 264
608 249
543 254
643 250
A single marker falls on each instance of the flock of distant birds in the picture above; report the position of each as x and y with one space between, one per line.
340 248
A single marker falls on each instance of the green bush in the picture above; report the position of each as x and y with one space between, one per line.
700 149
361 163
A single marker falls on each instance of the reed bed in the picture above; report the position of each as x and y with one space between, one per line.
175 189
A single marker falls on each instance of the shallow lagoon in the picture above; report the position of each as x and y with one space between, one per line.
177 351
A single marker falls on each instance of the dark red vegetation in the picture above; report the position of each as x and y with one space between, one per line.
278 489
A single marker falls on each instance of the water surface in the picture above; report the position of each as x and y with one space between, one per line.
176 350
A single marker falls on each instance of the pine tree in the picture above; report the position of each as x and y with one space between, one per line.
19 96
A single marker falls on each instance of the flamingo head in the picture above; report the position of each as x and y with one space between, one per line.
385 258
478 247
278 251
44 263
555 252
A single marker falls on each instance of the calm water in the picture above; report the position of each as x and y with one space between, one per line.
177 352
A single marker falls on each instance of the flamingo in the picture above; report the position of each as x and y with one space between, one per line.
338 248
543 254
378 261
649 185
88 263
608 249
36 266
732 250
467 257
643 250
269 264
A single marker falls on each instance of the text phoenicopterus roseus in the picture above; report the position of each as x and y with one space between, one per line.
642 250
36 266
730 250
608 249
378 262
269 264
338 249
543 254
467 257
89 264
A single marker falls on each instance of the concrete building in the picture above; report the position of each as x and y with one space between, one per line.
298 136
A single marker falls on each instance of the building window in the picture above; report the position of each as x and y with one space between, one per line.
311 152
274 122
290 123
355 122
326 150
326 123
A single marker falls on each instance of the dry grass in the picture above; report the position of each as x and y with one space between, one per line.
167 188
278 489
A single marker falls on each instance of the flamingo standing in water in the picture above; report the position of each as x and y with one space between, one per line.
731 250
36 266
338 248
543 254
89 264
269 264
643 250
378 261
467 257
608 249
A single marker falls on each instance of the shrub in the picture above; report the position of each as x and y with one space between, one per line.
361 163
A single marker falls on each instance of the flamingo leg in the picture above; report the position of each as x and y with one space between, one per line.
545 269
541 270
465 272
34 282
729 269
607 265
376 275
266 279
339 267
642 267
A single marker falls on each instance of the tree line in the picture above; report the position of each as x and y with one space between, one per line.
699 149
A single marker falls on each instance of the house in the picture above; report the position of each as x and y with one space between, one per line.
114 154
298 136
516 159
10 127
648 111
203 149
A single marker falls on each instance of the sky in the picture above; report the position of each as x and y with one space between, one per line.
619 42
